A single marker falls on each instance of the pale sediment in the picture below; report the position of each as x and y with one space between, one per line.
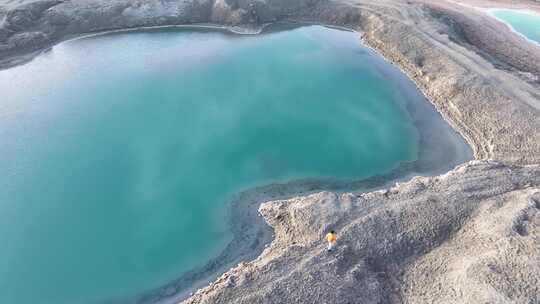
466 237
440 149
469 236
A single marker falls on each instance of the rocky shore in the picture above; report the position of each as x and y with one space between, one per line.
471 235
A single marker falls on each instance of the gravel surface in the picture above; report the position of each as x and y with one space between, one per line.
471 235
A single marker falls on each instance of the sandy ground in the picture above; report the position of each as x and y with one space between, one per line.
471 235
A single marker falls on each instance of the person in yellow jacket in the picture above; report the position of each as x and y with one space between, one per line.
331 238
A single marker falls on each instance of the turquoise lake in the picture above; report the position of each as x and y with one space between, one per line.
119 153
524 22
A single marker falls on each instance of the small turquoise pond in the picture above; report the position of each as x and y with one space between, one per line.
525 23
120 152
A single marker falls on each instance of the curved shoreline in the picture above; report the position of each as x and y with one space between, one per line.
252 233
484 144
210 294
489 11
26 58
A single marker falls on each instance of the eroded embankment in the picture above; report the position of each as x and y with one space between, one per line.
469 236
459 238
27 27
465 237
440 149
495 110
482 79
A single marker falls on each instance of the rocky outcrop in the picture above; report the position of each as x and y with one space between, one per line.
481 33
469 236
486 93
481 77
27 26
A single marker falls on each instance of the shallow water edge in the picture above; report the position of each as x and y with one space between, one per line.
492 12
441 148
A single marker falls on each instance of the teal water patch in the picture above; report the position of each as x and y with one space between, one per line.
119 153
523 22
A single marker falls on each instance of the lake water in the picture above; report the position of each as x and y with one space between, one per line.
523 22
119 153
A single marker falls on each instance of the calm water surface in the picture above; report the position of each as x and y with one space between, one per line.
118 153
524 22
